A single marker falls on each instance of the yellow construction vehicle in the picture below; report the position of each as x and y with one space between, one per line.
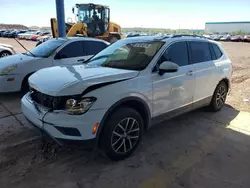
92 20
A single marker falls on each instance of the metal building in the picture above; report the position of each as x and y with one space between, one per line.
227 27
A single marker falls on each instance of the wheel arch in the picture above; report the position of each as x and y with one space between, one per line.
6 51
227 82
26 78
133 102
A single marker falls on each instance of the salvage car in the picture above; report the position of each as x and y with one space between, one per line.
237 38
15 69
131 85
225 38
6 50
246 38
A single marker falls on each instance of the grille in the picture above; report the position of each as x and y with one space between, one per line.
51 102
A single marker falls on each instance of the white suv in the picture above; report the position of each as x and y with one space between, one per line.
129 86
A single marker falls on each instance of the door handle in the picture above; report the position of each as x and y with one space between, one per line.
81 60
190 73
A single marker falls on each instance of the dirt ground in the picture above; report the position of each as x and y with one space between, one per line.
239 97
196 150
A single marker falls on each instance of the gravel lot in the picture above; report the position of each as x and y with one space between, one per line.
196 150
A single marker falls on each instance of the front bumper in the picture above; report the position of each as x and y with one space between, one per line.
10 86
83 144
62 127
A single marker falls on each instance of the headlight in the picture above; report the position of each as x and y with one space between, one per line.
8 69
78 107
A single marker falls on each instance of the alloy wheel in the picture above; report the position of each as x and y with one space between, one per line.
125 135
221 96
4 54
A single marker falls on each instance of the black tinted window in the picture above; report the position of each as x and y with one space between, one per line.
93 47
73 49
217 51
200 52
176 53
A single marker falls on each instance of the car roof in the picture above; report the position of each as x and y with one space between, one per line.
166 38
85 38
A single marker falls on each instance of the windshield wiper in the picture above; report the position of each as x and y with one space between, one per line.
100 57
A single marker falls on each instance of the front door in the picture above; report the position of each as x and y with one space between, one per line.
71 54
173 91
78 51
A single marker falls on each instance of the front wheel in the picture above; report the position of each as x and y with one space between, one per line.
219 97
122 133
4 54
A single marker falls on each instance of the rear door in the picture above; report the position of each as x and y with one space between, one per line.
205 71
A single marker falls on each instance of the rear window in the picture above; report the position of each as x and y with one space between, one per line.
200 52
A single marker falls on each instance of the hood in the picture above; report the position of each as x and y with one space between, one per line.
73 80
15 60
6 45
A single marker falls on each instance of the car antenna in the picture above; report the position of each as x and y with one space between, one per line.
24 47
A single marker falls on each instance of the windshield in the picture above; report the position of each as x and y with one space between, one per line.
123 55
46 48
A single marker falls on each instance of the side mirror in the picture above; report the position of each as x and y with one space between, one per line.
168 66
73 10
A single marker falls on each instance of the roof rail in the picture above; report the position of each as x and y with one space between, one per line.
188 35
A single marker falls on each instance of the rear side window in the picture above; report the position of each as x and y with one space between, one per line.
200 52
93 47
176 53
216 50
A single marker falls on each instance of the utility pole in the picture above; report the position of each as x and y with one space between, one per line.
60 18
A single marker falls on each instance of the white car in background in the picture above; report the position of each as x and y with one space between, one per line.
6 50
44 38
16 69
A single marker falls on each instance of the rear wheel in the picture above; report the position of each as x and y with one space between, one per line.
4 54
219 97
122 133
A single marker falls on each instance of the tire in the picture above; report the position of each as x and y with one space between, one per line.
219 97
113 133
4 54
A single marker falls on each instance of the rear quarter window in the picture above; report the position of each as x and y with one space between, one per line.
217 51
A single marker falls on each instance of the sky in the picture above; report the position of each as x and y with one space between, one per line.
169 14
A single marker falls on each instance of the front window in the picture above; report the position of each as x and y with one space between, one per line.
47 48
84 14
131 56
